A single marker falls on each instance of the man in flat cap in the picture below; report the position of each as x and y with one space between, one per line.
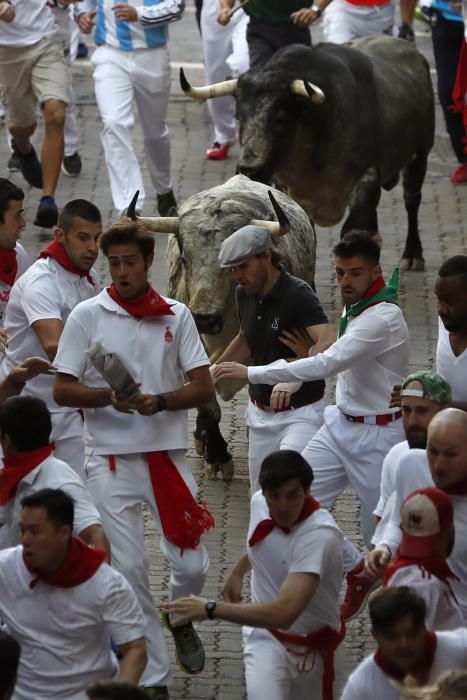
275 310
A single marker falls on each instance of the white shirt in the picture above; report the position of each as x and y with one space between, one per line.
157 352
369 359
453 369
388 474
314 546
65 633
33 21
45 291
23 260
442 609
369 681
414 473
52 473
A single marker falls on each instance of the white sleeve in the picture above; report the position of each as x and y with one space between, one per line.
164 12
71 357
387 485
122 612
84 6
40 301
316 552
388 530
86 513
370 337
191 352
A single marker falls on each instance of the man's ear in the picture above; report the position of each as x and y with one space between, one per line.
59 234
148 261
6 441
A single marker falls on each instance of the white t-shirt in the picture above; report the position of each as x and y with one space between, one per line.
23 260
453 369
369 359
388 474
414 473
33 21
442 609
45 291
65 633
52 473
369 681
157 351
314 546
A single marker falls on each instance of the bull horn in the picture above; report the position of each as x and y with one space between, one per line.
307 89
275 228
159 224
226 87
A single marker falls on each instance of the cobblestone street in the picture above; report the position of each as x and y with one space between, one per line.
443 222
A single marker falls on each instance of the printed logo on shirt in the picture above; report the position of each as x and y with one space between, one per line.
168 336
275 324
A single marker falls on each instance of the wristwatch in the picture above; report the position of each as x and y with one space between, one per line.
316 9
161 402
211 609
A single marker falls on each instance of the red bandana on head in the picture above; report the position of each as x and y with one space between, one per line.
17 466
148 304
8 266
81 564
423 667
56 251
265 527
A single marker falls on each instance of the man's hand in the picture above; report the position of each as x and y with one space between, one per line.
304 17
192 608
396 400
232 588
282 394
3 339
377 561
298 341
122 406
224 17
125 13
7 12
29 369
146 404
231 370
86 21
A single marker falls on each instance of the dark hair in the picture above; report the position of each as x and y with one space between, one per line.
10 652
358 243
128 232
27 422
78 208
8 191
116 691
283 465
59 506
454 267
389 605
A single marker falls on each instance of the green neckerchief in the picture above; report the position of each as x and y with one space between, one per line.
387 293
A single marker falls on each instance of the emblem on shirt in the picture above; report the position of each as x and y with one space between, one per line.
275 323
168 336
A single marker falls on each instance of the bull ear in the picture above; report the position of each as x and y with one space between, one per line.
275 228
226 87
307 89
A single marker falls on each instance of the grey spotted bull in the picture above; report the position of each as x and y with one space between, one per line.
195 278
335 124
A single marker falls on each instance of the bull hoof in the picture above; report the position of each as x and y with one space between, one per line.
405 264
412 264
228 471
200 447
211 471
418 264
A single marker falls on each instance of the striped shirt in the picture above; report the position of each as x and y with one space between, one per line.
148 32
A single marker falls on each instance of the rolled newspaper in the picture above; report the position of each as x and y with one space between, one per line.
112 369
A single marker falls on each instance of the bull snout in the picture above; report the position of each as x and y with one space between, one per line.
210 323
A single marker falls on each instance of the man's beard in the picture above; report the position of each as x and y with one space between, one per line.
417 440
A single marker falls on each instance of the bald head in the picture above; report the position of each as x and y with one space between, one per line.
447 448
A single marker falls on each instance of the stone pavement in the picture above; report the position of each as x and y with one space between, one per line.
444 232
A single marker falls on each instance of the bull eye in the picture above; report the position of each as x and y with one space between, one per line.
183 259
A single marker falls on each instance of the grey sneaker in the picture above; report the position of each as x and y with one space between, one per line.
167 204
189 650
157 692
72 165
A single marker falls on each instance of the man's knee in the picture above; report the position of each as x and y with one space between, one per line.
54 113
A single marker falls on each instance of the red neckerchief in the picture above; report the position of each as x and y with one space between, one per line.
56 251
17 466
183 520
148 304
8 266
436 565
81 564
265 527
376 287
424 665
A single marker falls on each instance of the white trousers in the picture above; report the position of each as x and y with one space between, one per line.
343 453
225 54
119 496
119 77
275 673
286 430
343 21
68 436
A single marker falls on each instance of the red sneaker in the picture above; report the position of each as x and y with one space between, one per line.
359 588
218 151
459 176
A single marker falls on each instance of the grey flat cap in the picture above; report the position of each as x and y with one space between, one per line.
247 241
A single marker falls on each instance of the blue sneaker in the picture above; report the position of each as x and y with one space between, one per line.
31 168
